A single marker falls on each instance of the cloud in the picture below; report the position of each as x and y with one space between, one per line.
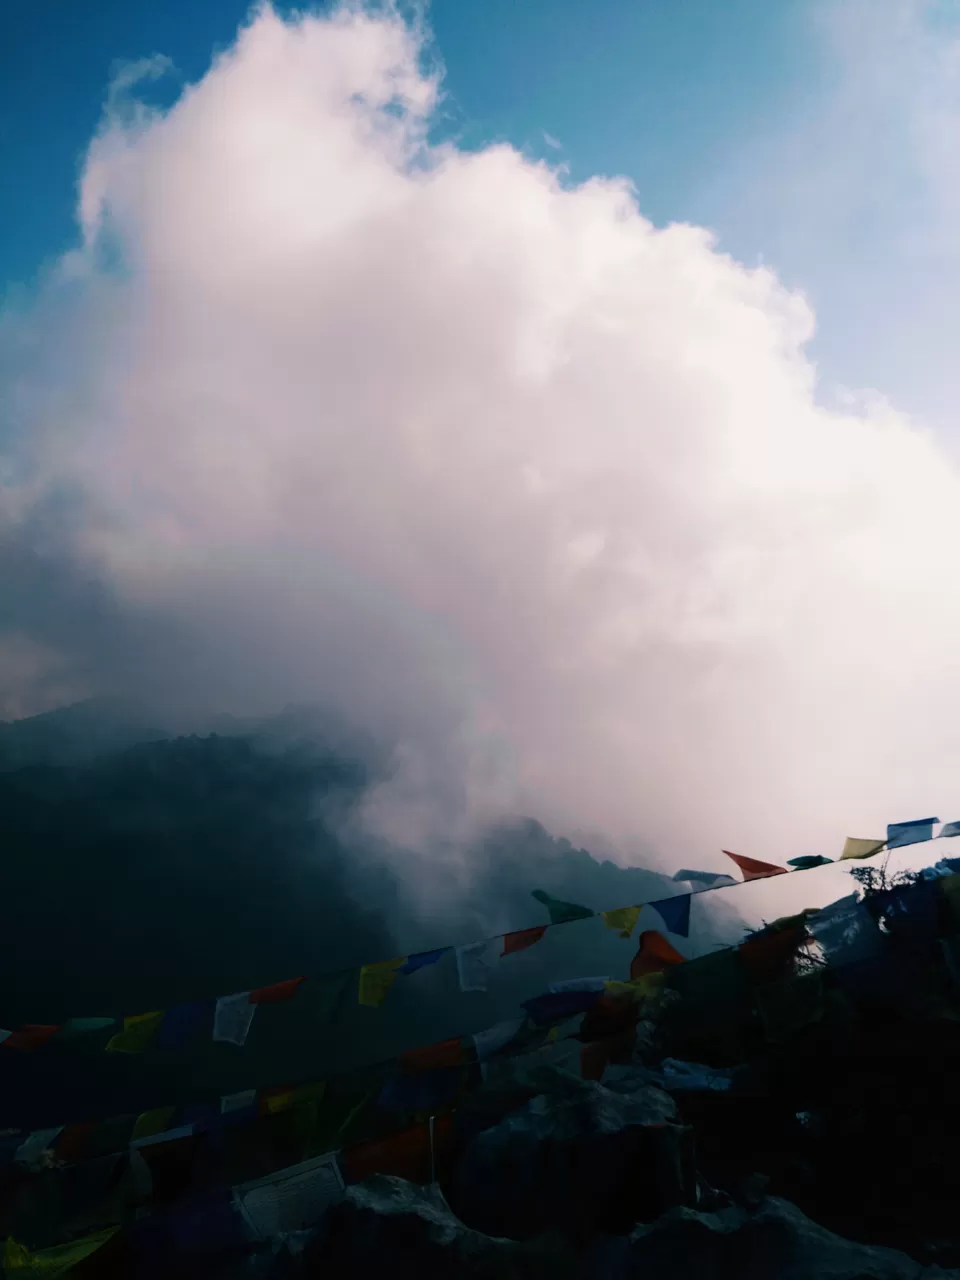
527 485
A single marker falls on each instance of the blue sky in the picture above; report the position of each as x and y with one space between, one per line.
651 89
757 119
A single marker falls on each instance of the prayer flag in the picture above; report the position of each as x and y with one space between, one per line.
654 955
675 913
377 979
30 1151
712 879
648 987
521 939
855 848
578 984
496 1038
950 829
901 833
56 1261
29 1037
285 1097
473 968
138 1033
422 959
808 861
277 993
753 869
149 1123
558 1006
181 1022
82 1026
562 912
231 1102
233 1017
448 1053
623 919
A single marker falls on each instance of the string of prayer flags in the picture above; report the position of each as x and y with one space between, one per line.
56 1261
623 919
950 829
562 912
138 1033
713 879
422 959
675 913
521 939
809 861
377 979
901 833
753 869
654 955
856 848
233 1017
473 967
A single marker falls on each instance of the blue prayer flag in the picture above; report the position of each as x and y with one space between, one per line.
901 833
181 1022
422 959
950 829
675 913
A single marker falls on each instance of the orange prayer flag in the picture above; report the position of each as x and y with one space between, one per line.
753 869
522 939
654 955
277 993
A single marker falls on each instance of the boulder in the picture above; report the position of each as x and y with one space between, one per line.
774 1242
580 1161
387 1226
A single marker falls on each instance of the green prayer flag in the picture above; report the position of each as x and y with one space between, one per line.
562 912
622 919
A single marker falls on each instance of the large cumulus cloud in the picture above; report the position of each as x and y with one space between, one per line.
537 490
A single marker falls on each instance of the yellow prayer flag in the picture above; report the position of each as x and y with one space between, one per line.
623 919
646 988
854 848
295 1097
57 1261
149 1123
137 1034
377 979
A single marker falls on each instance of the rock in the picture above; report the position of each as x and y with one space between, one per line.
387 1226
775 1242
581 1161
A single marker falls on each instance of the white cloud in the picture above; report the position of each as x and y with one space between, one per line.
498 468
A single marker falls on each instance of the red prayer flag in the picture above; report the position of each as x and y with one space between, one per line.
276 994
654 955
767 958
754 870
405 1155
31 1036
448 1053
522 939
72 1142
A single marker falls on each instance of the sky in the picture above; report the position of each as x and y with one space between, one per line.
571 402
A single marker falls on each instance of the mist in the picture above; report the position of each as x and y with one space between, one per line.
324 410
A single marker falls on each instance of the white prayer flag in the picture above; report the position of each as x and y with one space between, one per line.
232 1018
